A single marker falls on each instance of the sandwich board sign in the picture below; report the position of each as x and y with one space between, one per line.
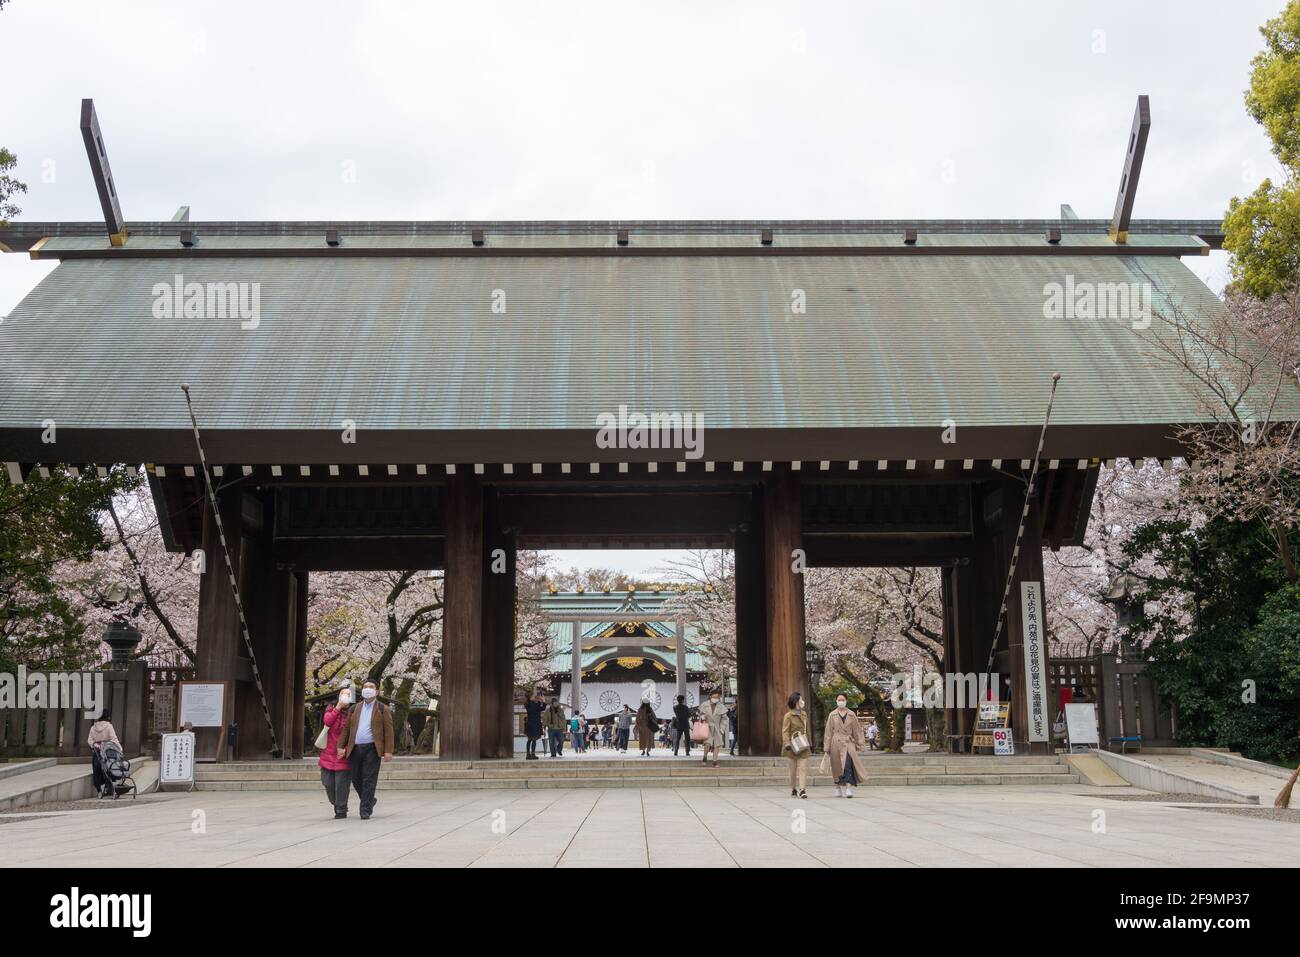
176 762
992 716
1081 725
1002 742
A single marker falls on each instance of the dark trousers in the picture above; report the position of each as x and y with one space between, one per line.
364 764
97 776
336 785
623 735
532 745
679 736
849 773
557 743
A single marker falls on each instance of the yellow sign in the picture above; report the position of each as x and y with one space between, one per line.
993 716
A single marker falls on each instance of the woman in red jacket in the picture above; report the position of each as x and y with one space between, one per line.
334 772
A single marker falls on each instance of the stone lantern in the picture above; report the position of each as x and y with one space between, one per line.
122 638
1122 595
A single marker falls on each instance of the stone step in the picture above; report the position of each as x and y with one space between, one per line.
623 781
536 771
894 764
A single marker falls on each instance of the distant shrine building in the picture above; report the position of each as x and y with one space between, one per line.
630 648
430 396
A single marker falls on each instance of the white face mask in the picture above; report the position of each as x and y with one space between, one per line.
368 693
841 704
345 698
799 704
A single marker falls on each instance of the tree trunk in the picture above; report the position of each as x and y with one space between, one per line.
897 725
936 728
1284 552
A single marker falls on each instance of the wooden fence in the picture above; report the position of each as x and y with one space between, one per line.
1128 702
160 700
61 732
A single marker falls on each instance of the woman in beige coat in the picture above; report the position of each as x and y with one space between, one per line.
843 741
795 722
716 715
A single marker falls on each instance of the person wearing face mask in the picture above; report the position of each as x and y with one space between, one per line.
716 715
334 767
843 740
795 722
369 735
557 724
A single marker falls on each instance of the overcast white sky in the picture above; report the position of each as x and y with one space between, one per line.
525 110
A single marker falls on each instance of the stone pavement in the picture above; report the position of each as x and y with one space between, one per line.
1032 826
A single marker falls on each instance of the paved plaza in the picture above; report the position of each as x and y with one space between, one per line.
1009 826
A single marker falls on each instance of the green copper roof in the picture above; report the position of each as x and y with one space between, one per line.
395 343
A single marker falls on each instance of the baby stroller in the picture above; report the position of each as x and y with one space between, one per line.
111 772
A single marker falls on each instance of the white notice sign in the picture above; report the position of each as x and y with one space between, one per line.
1036 683
176 763
1081 723
1002 743
202 705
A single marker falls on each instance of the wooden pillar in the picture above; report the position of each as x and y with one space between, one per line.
751 633
497 693
679 629
296 698
783 547
459 714
270 603
217 639
575 667
963 653
951 660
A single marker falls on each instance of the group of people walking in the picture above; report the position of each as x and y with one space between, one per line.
843 741
550 719
358 739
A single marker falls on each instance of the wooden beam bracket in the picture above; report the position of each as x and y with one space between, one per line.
1128 181
93 137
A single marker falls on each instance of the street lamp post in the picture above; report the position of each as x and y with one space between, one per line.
815 664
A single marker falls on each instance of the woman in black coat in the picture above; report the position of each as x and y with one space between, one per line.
533 708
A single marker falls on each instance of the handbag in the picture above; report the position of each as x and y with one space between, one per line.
799 743
699 732
323 738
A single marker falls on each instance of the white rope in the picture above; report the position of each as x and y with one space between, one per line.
1024 518
230 571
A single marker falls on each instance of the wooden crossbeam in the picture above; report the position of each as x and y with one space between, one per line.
93 137
1137 145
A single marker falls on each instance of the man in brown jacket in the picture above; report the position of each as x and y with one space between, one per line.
368 735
